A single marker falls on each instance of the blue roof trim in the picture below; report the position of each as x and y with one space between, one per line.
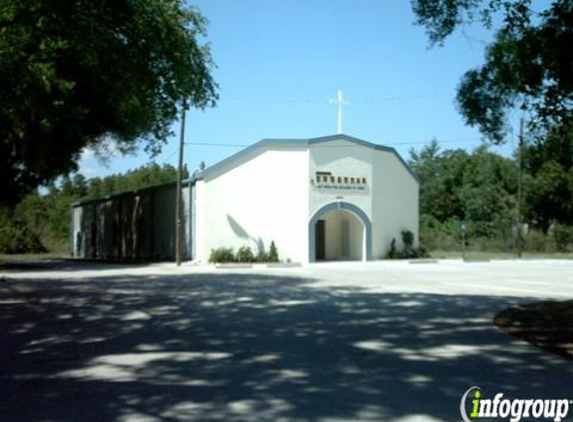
254 149
265 144
367 144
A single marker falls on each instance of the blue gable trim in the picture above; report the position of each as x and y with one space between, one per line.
258 148
267 144
252 150
367 144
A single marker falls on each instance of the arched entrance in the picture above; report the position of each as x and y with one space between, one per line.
340 231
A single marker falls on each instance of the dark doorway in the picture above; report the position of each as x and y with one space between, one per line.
320 242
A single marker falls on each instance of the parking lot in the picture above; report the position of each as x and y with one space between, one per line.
381 341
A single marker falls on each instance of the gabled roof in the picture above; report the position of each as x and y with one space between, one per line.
252 151
286 144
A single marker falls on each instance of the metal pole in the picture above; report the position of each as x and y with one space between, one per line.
464 227
518 244
178 225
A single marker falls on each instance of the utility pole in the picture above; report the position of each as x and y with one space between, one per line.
178 213
518 244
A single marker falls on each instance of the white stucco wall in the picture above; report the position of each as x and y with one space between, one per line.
273 193
341 158
395 201
390 197
262 199
334 249
198 223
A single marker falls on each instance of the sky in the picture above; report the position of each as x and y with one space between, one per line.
280 62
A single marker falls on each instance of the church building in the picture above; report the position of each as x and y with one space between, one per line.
328 198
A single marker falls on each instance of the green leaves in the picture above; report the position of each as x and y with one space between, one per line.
528 66
549 192
455 185
480 187
75 73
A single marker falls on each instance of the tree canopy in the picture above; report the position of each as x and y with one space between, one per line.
480 188
529 65
549 188
74 74
456 185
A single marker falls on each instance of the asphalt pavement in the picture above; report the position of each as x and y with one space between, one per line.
381 341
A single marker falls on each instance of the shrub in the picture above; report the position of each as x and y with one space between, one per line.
409 251
261 257
563 237
437 235
18 238
273 255
393 252
222 255
536 241
245 254
408 239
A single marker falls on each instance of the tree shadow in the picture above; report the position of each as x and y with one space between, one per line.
251 347
68 264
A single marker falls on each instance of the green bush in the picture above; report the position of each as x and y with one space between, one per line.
408 239
437 235
16 236
563 237
261 257
408 252
408 242
222 255
245 254
536 241
393 251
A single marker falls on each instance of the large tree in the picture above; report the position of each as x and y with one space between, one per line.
549 191
74 74
457 185
529 64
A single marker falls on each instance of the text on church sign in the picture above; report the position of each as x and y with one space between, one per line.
328 180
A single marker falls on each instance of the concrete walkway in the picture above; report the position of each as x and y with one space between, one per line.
386 341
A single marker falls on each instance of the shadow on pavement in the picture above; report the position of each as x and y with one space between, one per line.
247 347
66 264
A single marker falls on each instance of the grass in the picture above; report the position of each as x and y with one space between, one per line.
34 256
484 256
27 261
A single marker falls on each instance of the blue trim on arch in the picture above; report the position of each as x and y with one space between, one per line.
338 206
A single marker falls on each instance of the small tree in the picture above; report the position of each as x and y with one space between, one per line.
273 255
393 252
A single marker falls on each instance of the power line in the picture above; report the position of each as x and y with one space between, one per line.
172 154
445 141
410 97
